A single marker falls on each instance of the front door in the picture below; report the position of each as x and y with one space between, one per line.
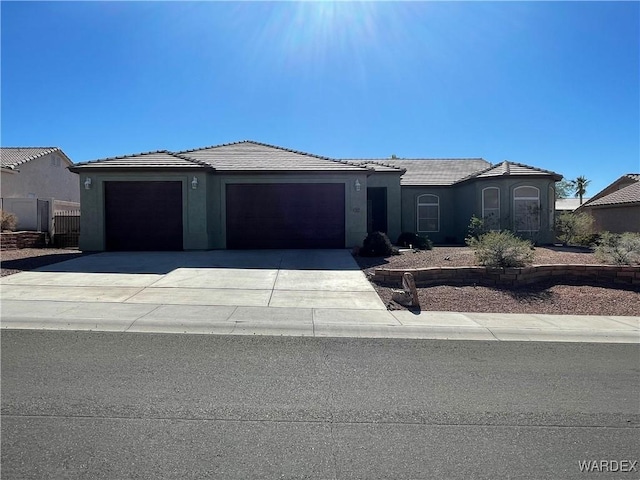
376 209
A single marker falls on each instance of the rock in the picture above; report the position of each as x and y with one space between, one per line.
408 296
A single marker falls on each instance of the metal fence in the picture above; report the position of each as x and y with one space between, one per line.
67 229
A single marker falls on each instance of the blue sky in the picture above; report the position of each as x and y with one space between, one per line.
550 84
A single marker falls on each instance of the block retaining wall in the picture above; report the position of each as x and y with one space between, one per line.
628 276
15 240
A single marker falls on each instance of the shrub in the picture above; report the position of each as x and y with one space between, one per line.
8 221
407 239
501 249
623 249
575 229
377 244
476 227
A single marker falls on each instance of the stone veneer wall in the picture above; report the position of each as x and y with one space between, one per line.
628 276
15 240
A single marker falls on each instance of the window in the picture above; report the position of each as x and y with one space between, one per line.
491 208
526 208
428 213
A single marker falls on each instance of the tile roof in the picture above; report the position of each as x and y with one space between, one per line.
514 169
628 194
377 166
158 159
11 157
437 171
248 156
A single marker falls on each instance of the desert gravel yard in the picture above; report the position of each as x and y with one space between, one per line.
543 299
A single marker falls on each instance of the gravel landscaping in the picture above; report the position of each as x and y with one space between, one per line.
541 298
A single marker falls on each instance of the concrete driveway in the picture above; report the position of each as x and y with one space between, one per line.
271 278
140 291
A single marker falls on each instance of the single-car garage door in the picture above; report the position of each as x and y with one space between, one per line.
143 215
285 215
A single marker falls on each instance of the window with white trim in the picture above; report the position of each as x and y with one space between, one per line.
526 208
491 208
428 212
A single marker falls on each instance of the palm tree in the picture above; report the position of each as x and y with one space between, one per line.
580 186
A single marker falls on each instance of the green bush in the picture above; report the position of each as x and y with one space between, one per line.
622 249
377 244
409 239
476 227
575 229
501 249
8 221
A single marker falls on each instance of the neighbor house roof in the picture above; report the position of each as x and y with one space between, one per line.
569 204
161 159
11 157
626 195
254 156
625 190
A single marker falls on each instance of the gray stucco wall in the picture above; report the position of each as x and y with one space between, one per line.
92 220
355 201
204 209
460 202
390 181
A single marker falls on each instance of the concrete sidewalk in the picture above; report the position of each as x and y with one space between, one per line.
318 322
277 292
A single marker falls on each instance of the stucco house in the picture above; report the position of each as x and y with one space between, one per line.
253 195
617 207
29 174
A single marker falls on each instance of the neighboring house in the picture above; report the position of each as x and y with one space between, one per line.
617 207
568 204
32 173
254 195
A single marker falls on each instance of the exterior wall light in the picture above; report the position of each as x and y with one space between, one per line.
356 185
194 183
87 183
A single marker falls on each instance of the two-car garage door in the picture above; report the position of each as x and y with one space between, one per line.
285 215
147 215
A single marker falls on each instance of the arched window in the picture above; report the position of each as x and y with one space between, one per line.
428 210
491 208
526 208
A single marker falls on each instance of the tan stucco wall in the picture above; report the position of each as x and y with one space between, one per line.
616 219
39 178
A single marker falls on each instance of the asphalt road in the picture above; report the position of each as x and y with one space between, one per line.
117 406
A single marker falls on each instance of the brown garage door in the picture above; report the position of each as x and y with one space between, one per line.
143 215
285 215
